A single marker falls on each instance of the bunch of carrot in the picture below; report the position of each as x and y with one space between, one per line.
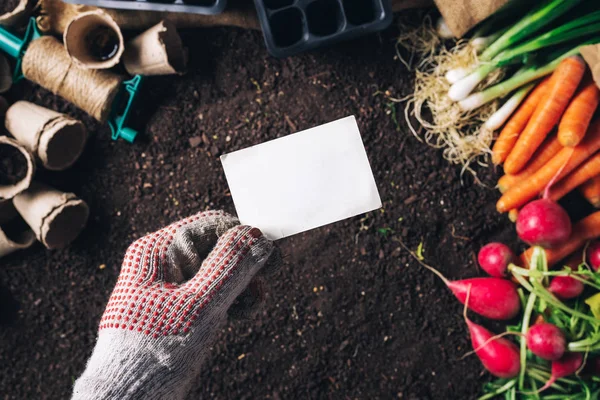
551 142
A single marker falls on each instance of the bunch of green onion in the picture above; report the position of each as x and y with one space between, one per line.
533 46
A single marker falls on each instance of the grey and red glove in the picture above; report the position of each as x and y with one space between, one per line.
172 296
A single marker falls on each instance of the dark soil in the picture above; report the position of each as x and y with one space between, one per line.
349 316
13 165
7 6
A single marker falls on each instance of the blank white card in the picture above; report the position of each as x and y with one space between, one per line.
302 181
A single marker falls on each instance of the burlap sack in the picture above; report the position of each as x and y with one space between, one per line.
462 15
591 55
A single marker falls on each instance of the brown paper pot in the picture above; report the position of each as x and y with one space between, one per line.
54 138
56 217
5 74
14 232
158 51
84 36
19 14
16 168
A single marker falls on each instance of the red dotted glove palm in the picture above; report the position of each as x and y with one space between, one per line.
172 295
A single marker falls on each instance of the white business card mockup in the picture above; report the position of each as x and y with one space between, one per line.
302 181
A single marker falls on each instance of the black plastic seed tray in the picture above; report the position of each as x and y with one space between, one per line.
208 7
293 26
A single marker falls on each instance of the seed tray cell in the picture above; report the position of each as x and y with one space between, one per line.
208 7
294 26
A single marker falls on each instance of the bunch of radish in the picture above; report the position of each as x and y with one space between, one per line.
557 331
552 349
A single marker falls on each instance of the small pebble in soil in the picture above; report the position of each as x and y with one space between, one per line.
13 165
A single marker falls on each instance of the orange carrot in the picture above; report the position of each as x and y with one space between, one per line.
513 215
565 161
587 170
584 230
579 113
511 131
563 84
591 191
547 150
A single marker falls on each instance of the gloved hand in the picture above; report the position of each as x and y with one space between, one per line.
164 311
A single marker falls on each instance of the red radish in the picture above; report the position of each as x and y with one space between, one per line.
546 340
493 298
567 365
543 222
565 287
593 253
499 356
494 259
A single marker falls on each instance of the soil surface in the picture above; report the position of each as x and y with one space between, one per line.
349 316
13 165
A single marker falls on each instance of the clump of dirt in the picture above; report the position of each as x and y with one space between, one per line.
7 6
13 165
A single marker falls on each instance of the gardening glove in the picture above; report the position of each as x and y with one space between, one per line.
168 305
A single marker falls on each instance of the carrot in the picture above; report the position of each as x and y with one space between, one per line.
591 191
511 131
579 113
587 170
513 215
586 229
565 161
547 150
562 86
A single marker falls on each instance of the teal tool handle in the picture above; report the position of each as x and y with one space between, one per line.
16 47
128 93
10 44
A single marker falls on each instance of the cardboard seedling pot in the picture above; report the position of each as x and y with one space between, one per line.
158 51
55 139
14 232
22 161
19 14
78 39
55 217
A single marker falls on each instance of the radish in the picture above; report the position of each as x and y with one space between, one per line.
593 253
493 298
494 259
499 356
543 222
546 341
565 287
567 365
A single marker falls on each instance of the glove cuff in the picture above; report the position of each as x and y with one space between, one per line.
129 365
